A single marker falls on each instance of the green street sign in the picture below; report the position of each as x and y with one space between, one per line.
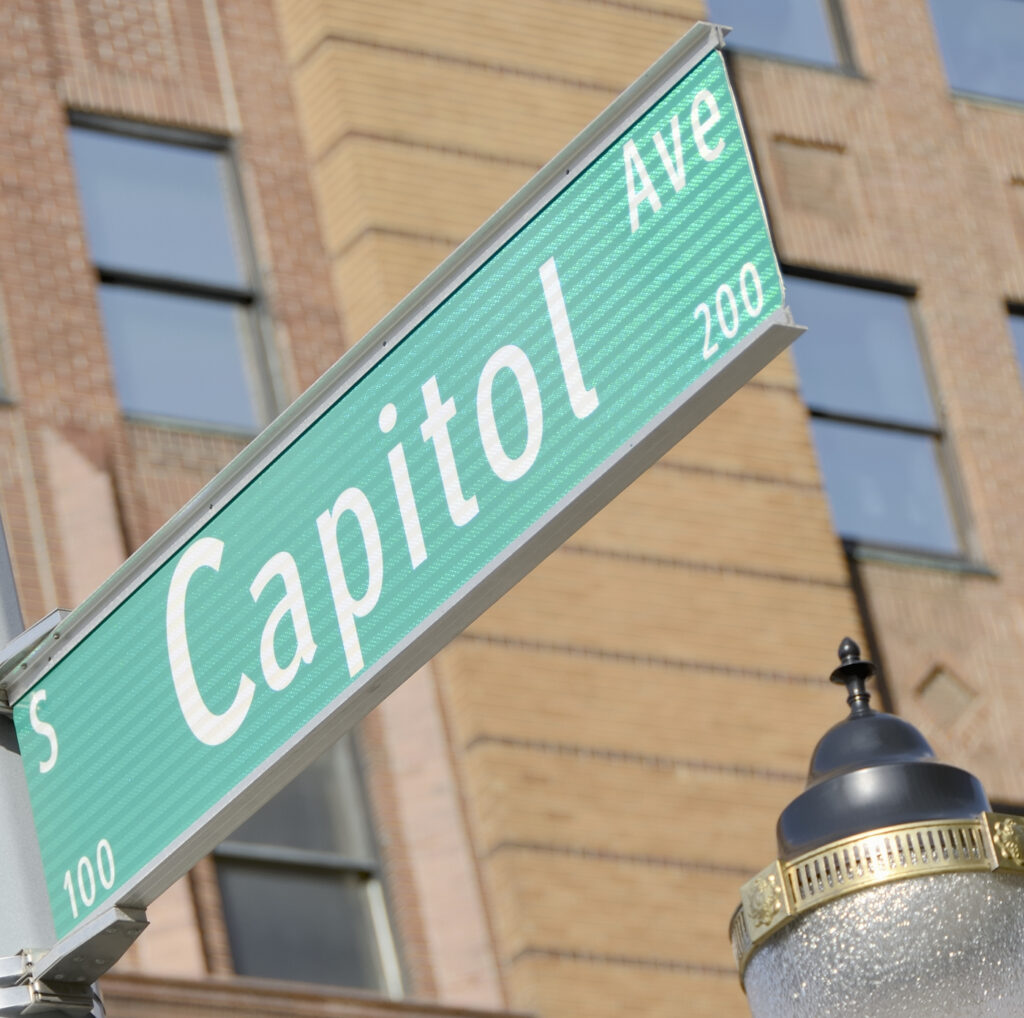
626 292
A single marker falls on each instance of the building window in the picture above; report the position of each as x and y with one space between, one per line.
981 42
875 428
301 887
10 609
1017 333
810 31
165 233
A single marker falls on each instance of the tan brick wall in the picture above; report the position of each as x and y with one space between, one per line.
566 985
628 721
927 186
624 726
79 487
56 370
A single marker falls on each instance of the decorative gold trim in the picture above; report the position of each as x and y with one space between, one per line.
786 890
1007 836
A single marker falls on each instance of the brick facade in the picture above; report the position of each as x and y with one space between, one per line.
625 710
570 795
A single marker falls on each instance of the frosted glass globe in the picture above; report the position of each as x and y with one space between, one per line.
949 945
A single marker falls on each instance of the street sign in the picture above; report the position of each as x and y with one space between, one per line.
608 308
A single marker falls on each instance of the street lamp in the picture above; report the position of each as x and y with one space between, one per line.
835 929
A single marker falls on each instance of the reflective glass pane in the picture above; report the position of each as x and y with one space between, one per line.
982 45
885 487
179 357
859 355
156 208
10 607
292 924
798 29
1017 332
321 810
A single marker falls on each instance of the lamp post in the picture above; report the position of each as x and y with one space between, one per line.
897 891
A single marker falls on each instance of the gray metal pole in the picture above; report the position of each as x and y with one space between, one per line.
24 906
26 922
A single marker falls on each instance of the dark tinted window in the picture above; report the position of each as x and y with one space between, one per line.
796 29
1017 332
321 810
175 291
300 885
179 356
982 45
874 424
885 487
860 354
298 923
156 208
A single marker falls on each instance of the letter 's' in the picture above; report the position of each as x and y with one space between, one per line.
44 728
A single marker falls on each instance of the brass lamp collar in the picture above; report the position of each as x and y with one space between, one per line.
877 807
785 890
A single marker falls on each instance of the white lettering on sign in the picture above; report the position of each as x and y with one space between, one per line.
513 359
582 400
435 429
727 309
350 608
646 193
701 126
207 727
673 164
87 876
403 490
292 604
44 728
346 607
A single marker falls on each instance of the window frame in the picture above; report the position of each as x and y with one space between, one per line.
259 365
963 560
367 869
835 20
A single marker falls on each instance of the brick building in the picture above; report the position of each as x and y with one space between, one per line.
555 816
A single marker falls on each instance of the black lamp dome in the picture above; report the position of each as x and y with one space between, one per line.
872 770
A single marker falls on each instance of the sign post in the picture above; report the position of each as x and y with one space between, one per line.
618 299
27 921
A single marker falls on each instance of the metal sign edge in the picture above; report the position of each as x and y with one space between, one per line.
557 175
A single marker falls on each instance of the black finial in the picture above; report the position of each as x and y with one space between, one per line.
849 651
853 673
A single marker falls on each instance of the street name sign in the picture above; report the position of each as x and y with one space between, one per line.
613 303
